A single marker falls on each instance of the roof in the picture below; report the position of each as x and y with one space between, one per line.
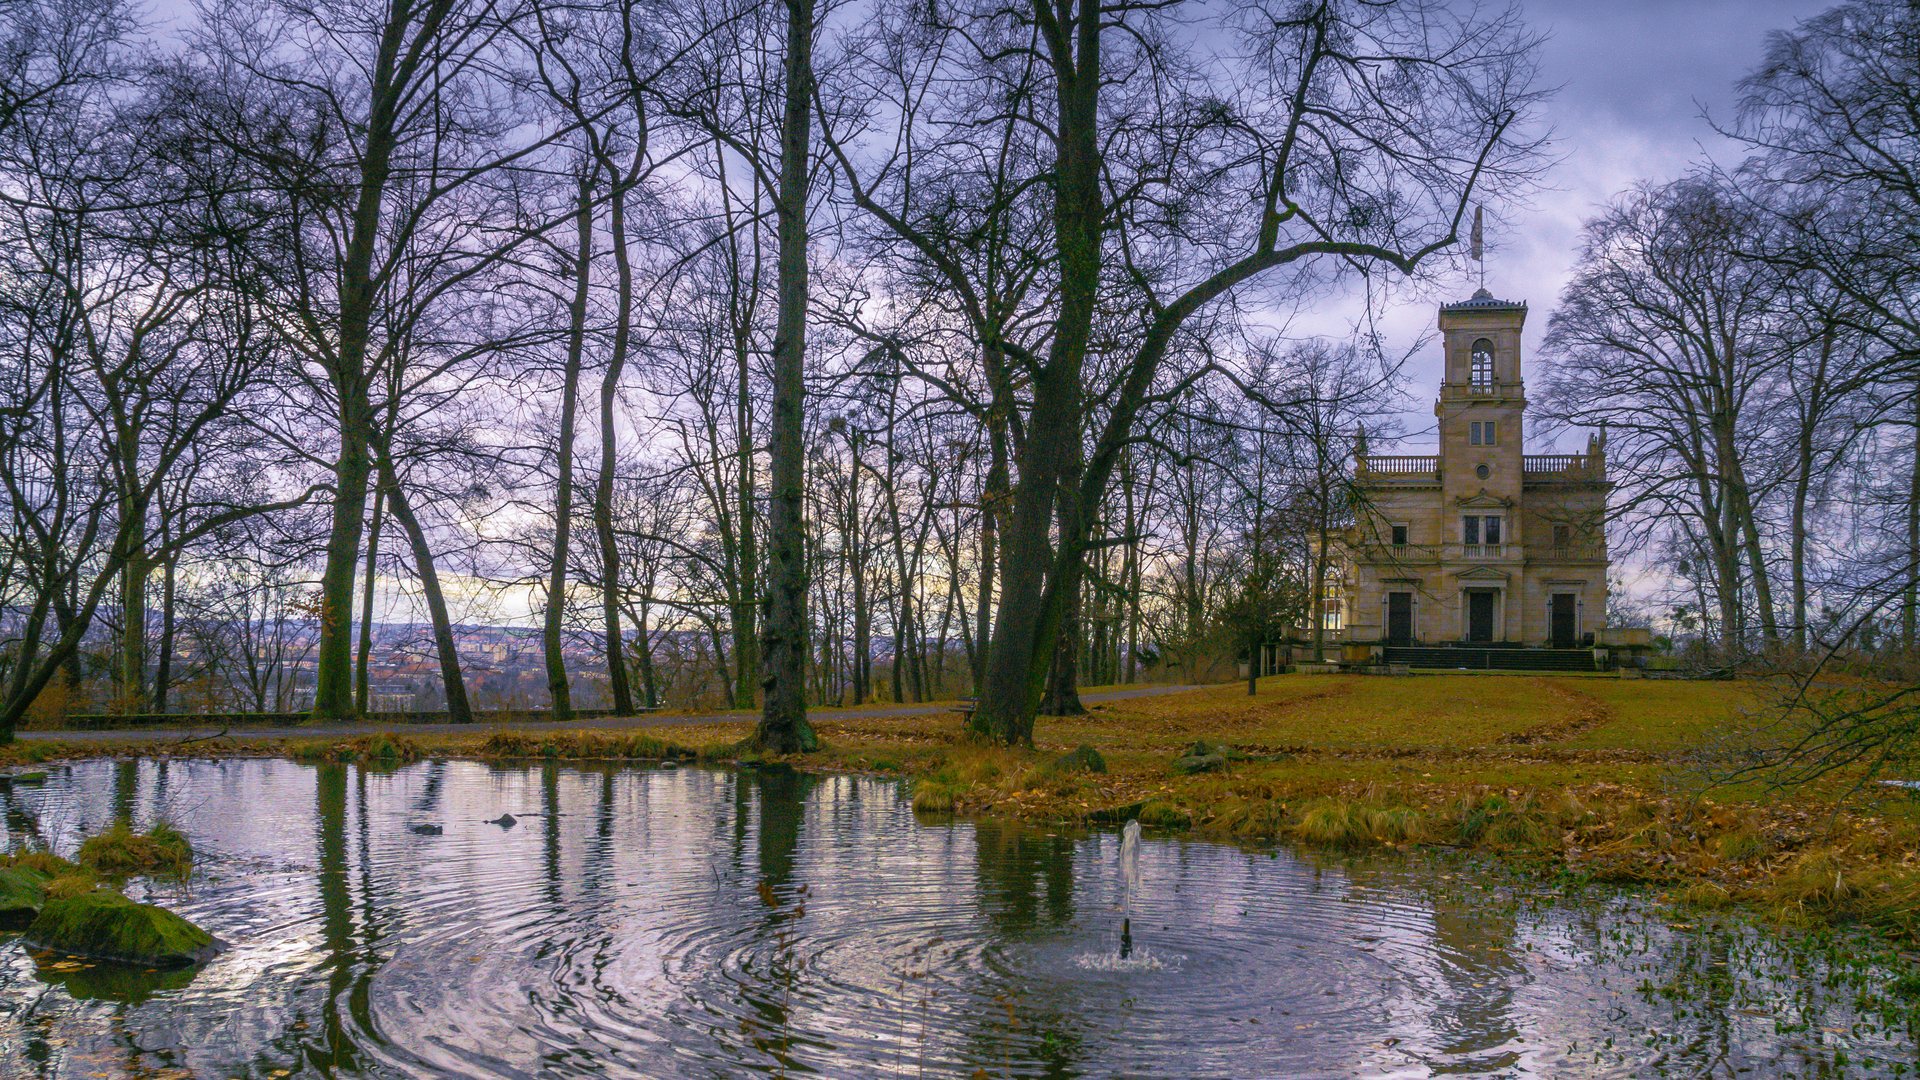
1483 300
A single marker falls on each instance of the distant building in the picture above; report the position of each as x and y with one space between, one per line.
1478 543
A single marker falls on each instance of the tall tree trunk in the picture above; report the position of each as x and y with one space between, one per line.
551 636
458 710
131 676
614 641
333 671
1797 527
783 726
362 688
1910 611
993 505
856 564
746 640
1027 621
333 660
163 664
1063 681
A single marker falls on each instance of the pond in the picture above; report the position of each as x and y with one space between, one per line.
701 923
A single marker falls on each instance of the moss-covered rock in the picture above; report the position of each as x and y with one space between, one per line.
105 925
1202 756
22 893
1081 759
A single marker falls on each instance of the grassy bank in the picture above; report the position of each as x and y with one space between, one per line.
1585 778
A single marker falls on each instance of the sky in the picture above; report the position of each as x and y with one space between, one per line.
1635 79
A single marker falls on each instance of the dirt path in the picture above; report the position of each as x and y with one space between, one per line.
608 723
1586 712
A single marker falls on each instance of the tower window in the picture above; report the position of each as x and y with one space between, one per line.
1481 433
1481 372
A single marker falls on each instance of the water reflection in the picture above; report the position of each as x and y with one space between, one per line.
701 923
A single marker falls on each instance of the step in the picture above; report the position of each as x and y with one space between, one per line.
1502 658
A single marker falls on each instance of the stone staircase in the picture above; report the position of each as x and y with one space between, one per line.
1496 658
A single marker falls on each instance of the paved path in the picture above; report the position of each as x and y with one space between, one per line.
602 723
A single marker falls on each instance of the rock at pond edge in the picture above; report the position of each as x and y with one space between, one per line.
103 925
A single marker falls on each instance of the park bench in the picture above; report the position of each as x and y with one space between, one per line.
965 706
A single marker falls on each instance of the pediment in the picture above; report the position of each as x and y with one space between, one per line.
1483 501
1481 573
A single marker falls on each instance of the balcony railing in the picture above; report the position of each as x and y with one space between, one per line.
1574 553
1387 554
1405 553
1426 465
1479 390
1555 464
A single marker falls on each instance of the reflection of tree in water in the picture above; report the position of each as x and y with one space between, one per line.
550 834
126 790
1025 891
349 962
779 796
1477 961
1026 877
598 871
431 789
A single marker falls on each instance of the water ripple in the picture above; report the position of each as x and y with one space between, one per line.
699 923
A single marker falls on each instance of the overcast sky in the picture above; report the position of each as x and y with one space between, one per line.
1634 77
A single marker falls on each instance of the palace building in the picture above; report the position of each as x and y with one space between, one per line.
1478 544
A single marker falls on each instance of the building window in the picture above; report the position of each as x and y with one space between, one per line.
1481 433
1562 536
1481 373
1399 536
1480 529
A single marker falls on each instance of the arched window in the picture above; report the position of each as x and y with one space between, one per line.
1481 373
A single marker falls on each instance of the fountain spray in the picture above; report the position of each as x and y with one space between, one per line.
1129 881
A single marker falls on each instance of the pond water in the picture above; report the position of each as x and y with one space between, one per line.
698 923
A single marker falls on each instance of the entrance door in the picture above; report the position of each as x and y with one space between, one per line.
1566 621
1399 618
1480 616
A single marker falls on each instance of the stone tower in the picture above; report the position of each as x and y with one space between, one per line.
1481 408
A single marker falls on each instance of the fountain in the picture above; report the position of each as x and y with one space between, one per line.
1129 881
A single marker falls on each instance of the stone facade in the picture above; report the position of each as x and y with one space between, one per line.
1479 542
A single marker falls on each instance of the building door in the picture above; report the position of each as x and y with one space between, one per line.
1566 620
1399 618
1480 616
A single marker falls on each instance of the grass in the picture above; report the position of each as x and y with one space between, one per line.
1588 778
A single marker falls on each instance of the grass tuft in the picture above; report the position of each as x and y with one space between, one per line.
119 852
